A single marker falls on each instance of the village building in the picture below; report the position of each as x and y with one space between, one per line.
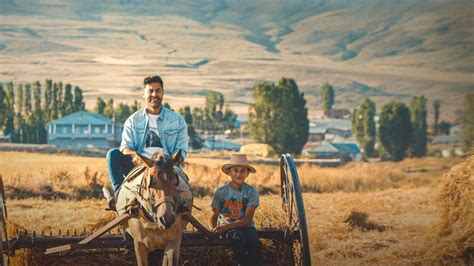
85 130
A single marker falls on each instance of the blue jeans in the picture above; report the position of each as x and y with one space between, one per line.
245 244
118 165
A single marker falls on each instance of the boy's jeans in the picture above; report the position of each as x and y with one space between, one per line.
245 244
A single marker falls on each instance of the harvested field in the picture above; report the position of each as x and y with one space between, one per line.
400 222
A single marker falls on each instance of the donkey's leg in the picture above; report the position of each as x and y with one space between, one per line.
171 254
141 252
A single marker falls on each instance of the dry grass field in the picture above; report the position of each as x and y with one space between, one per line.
367 213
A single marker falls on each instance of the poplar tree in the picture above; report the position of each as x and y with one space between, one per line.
18 120
279 116
195 140
2 106
419 137
55 107
122 112
9 110
99 106
48 97
394 130
27 114
79 104
135 106
328 96
467 123
60 108
38 117
363 126
436 108
109 108
68 100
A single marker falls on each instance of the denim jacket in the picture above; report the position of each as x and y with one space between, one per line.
171 126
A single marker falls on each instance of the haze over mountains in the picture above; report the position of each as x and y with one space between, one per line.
382 49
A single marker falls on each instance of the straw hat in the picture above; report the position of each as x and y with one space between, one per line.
237 160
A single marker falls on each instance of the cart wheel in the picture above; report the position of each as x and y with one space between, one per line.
3 225
294 209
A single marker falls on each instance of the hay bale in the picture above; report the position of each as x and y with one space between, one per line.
258 149
453 237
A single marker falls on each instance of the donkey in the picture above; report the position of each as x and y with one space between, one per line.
152 198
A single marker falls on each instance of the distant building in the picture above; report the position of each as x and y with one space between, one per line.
324 129
218 142
345 151
84 129
4 138
454 136
337 113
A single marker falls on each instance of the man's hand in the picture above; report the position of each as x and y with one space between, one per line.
136 160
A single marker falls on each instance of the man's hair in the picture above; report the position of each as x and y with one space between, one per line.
151 79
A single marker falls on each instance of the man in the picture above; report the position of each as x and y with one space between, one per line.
150 130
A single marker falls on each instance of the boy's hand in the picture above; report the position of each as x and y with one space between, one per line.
220 229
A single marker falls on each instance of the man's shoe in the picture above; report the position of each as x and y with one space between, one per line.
110 199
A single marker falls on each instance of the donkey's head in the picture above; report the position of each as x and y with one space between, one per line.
160 183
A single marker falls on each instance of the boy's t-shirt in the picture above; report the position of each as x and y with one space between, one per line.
232 203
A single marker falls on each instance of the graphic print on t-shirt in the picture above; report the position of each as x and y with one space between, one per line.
152 140
234 209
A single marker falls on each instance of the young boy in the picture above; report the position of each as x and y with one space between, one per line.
233 207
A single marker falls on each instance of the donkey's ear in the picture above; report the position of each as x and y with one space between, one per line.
177 158
148 162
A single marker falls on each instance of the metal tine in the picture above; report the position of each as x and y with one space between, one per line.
50 232
59 232
75 232
67 232
34 234
42 233
84 232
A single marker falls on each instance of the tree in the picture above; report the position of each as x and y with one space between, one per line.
467 123
48 98
38 122
363 126
56 103
122 112
395 130
328 96
79 104
419 137
17 135
27 135
212 117
279 116
2 106
109 108
9 110
436 107
68 103
195 140
60 108
135 106
99 106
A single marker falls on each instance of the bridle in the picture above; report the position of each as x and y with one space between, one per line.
148 202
